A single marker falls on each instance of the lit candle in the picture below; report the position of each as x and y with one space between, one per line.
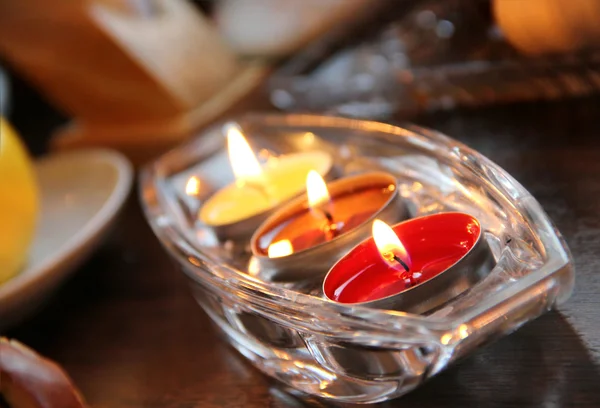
236 210
303 238
415 266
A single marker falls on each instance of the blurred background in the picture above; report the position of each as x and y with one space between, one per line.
143 75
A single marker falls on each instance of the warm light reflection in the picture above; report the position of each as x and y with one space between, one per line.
316 189
387 242
192 187
463 331
243 162
280 248
446 339
309 138
253 267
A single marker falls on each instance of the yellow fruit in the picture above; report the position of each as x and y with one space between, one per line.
18 202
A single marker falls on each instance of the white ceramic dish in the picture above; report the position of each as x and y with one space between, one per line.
81 195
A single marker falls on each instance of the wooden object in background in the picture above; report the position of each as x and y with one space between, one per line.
137 75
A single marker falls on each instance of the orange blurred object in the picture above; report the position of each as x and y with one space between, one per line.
19 202
537 27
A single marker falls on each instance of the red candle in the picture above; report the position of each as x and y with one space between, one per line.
418 250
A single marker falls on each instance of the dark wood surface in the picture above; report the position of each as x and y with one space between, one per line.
130 335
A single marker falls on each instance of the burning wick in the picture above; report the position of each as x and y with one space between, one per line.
401 262
260 187
327 215
245 166
388 244
318 195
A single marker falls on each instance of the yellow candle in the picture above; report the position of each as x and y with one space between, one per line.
257 189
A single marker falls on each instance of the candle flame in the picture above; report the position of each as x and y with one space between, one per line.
387 242
280 248
192 187
316 189
243 161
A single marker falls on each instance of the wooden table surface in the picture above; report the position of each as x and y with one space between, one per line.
129 333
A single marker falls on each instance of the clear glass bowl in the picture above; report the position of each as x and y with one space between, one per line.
352 353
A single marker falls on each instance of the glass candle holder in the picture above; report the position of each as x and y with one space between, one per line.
353 353
358 201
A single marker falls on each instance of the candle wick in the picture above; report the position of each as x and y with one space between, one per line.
331 228
328 215
401 262
258 187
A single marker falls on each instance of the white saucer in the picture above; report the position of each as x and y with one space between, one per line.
81 194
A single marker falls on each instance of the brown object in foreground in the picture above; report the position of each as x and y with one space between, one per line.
28 380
